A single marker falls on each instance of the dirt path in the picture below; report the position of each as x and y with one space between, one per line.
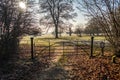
57 56
54 72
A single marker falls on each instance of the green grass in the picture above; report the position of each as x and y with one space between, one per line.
44 40
83 37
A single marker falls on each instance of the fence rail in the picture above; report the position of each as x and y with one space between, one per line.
61 46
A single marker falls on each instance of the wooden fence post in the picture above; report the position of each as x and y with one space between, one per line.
32 51
92 39
102 46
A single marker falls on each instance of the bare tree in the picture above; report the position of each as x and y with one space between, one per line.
93 27
107 12
79 29
56 11
14 22
70 25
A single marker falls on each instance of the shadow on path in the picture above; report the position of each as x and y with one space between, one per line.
53 73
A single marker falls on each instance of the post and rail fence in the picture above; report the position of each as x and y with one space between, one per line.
36 48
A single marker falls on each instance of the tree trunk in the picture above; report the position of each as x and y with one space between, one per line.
70 32
80 35
56 31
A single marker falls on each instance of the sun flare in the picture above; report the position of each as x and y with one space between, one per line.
22 5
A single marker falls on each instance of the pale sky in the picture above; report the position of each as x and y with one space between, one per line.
80 19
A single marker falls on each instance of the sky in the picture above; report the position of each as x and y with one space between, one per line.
80 19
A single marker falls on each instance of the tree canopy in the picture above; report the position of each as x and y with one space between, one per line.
14 22
93 27
56 12
107 13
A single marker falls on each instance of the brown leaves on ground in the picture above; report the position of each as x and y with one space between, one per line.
96 68
80 67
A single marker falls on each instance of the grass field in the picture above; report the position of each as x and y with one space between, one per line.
44 40
47 40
